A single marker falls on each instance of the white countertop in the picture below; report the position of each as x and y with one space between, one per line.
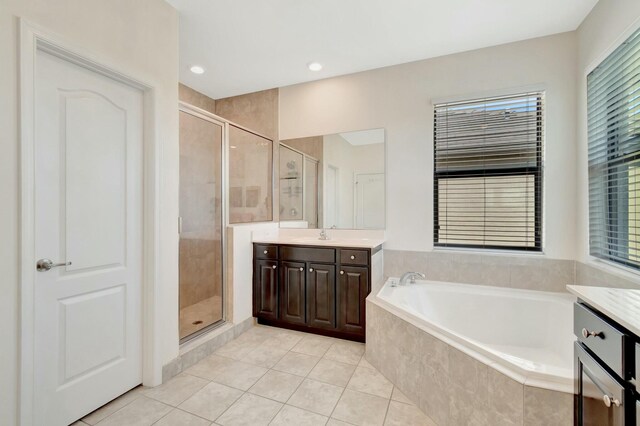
309 237
619 304
314 241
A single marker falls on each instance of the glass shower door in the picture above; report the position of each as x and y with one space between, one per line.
201 227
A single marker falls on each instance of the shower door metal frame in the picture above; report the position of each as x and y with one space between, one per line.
212 118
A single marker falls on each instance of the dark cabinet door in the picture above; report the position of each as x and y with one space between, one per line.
292 292
265 289
353 288
321 295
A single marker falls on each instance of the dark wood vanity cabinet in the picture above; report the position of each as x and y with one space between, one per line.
605 370
265 297
317 289
292 292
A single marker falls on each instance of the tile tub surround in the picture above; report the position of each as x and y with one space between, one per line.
270 376
451 387
531 272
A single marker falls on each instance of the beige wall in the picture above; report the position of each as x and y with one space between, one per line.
140 39
400 99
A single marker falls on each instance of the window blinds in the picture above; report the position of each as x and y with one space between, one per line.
488 172
613 117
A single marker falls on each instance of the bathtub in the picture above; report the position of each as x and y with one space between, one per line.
484 331
528 334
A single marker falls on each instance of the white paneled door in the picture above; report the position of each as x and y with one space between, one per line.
88 214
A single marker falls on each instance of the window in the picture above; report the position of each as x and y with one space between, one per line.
613 117
488 173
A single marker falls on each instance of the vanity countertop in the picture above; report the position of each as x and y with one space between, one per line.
620 304
370 243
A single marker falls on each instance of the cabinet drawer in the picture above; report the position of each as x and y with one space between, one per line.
354 257
600 337
308 254
265 251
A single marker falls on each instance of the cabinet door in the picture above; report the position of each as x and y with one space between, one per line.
292 292
321 295
353 288
265 289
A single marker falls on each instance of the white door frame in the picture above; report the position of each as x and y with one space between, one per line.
33 38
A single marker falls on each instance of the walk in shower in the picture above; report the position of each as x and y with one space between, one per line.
226 176
201 222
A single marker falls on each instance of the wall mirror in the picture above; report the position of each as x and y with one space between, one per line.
333 181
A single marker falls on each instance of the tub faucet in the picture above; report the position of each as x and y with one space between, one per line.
323 235
411 276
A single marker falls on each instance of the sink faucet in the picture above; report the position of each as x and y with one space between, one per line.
323 235
411 276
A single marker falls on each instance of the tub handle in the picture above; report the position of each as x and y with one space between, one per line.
586 333
609 401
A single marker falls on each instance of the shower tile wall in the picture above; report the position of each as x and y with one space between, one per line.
257 111
197 99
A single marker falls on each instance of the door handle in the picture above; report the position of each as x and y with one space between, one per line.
43 265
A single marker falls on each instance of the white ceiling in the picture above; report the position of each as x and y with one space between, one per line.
364 137
250 45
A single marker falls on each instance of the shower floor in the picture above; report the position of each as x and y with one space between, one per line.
203 314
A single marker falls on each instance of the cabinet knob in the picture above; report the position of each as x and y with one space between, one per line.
274 266
341 272
587 333
266 251
310 269
353 257
301 269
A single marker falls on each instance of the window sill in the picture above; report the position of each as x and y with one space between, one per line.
613 268
490 252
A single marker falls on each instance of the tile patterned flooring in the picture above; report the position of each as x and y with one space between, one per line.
269 376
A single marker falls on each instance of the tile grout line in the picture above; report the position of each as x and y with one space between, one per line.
119 409
344 389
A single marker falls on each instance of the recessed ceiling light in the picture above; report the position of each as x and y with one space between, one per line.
315 66
197 69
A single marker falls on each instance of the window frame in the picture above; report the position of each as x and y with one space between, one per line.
606 255
536 172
